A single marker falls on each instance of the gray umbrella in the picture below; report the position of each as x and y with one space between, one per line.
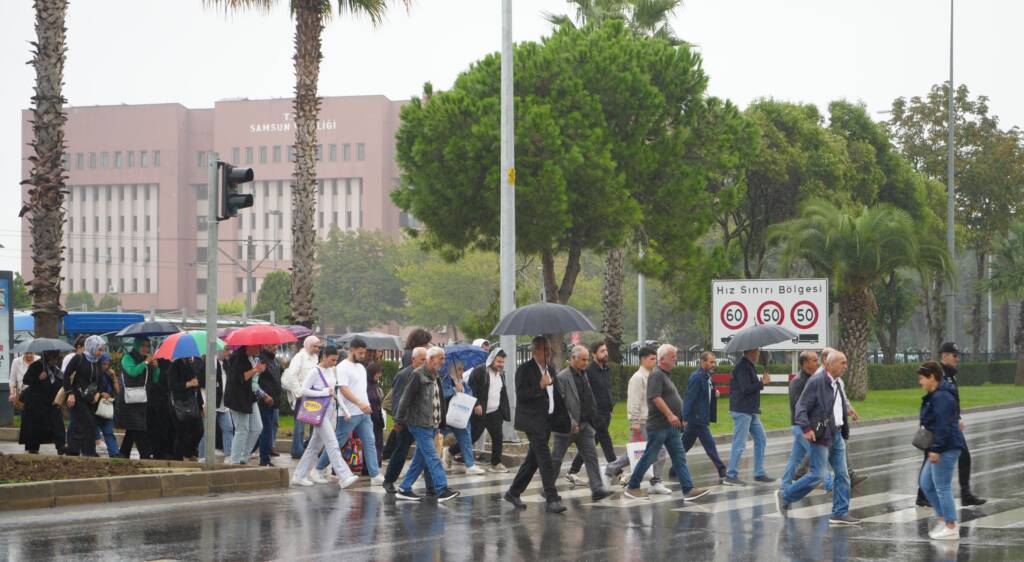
543 318
40 345
758 336
147 329
374 340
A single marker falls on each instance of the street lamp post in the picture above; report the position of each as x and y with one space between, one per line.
508 203
950 192
277 218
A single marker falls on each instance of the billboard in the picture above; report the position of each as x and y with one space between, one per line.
798 304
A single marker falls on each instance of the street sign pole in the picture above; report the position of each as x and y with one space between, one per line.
212 192
508 207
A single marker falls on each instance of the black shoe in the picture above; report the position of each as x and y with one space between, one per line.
389 487
967 498
275 454
764 479
856 479
555 507
431 493
409 496
600 495
270 464
923 502
447 494
514 500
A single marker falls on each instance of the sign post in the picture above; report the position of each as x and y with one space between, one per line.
6 335
798 304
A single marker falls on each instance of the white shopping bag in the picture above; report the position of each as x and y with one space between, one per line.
635 450
460 408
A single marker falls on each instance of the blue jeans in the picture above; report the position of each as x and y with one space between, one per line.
465 442
268 415
362 425
298 434
105 429
821 458
672 440
801 448
425 459
936 482
743 425
227 434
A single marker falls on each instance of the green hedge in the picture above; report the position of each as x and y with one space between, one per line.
892 377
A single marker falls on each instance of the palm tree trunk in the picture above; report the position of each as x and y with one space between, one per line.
46 215
611 320
309 27
853 318
978 319
1019 339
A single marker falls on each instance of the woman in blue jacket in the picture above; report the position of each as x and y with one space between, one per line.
940 415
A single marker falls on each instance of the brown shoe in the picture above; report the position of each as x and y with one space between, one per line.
696 493
636 494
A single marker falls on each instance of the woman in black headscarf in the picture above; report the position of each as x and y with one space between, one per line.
81 387
41 421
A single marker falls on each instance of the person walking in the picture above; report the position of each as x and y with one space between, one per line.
664 424
305 360
373 393
319 382
16 386
535 409
81 387
745 409
492 409
451 384
240 396
940 415
41 421
108 389
186 407
159 412
224 423
420 412
700 409
269 405
137 368
574 387
801 450
355 410
636 409
600 376
949 358
403 437
821 415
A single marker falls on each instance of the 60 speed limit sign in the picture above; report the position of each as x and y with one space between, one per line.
798 304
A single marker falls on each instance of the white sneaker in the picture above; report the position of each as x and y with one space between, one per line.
938 527
499 468
576 479
446 459
352 479
101 449
659 488
315 477
377 480
946 534
475 470
327 475
301 482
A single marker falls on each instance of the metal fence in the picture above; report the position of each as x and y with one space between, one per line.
919 356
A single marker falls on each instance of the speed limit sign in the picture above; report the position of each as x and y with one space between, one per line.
800 305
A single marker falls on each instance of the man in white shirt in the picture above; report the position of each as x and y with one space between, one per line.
354 411
304 361
18 368
636 411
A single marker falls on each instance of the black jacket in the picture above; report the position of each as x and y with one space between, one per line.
816 403
398 387
238 395
480 382
80 374
532 402
601 385
270 379
417 406
745 388
949 374
796 388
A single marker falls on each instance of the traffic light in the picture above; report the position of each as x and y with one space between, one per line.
230 199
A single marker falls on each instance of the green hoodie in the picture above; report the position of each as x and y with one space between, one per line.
134 367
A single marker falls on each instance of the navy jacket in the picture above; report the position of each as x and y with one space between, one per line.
940 414
796 388
816 403
745 388
600 384
698 407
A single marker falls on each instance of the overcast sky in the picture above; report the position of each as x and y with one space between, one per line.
146 51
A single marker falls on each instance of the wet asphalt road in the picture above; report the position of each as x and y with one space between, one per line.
731 524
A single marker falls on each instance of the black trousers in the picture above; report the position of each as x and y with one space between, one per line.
392 442
83 440
538 457
602 438
139 439
493 423
160 429
187 434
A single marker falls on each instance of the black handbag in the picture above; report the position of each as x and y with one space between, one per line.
823 429
923 439
187 409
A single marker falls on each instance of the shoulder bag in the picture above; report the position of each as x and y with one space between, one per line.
187 409
923 439
312 409
105 408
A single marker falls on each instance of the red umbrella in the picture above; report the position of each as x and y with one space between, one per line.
260 334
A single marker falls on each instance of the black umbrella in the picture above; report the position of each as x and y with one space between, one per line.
543 318
40 345
147 329
374 340
758 336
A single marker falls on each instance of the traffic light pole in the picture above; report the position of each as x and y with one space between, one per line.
249 251
212 193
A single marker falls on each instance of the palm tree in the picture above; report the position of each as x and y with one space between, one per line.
855 247
1008 282
46 197
310 18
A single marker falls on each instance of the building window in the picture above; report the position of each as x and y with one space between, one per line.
92 162
252 220
201 192
280 252
144 159
333 152
200 159
346 152
120 259
334 218
71 224
360 151
156 164
263 155
83 224
134 189
145 192
280 188
96 255
107 192
71 285
71 256
131 164
82 256
95 224
291 154
95 285
135 254
109 259
348 187
104 160
120 193
120 224
147 223
201 223
266 189
201 286
135 223
108 221
79 163
334 188
145 258
348 219
120 285
239 284
118 159
266 220
320 220
135 285
277 153
201 254
236 155
248 155
71 195
147 284
319 152
320 187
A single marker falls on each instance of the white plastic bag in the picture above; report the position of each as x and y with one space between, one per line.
635 450
459 409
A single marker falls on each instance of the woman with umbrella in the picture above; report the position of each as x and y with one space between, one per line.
81 386
41 421
138 369
186 407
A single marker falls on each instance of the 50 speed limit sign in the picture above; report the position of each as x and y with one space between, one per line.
798 304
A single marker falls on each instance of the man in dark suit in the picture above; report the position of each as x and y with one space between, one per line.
536 410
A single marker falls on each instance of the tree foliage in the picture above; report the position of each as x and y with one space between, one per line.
21 298
452 294
357 286
77 299
1007 281
108 302
273 295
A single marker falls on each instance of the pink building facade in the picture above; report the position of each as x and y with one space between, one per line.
137 208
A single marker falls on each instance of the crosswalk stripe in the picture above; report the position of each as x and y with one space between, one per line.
1011 518
907 515
821 509
723 505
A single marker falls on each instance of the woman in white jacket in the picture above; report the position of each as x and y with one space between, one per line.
301 363
319 382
